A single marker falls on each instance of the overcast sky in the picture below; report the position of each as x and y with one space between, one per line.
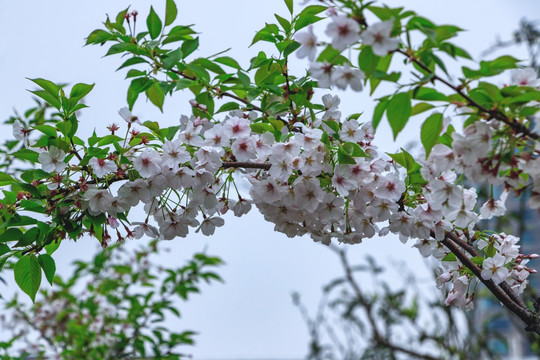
251 315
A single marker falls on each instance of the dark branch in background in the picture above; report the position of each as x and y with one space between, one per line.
493 114
528 33
368 306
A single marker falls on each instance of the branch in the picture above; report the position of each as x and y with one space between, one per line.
471 250
493 113
220 93
531 320
245 165
368 308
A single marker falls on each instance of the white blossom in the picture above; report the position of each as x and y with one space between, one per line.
378 36
308 42
52 160
344 31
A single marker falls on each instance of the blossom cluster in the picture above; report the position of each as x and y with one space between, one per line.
345 32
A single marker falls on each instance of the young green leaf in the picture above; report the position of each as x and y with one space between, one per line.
48 266
154 24
156 95
430 131
170 12
190 46
28 275
380 108
80 90
289 4
398 112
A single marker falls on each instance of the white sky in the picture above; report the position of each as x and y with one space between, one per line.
252 315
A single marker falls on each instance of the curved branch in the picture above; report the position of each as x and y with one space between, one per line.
493 113
531 320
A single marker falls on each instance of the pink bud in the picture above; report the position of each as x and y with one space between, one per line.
113 222
445 277
533 256
193 103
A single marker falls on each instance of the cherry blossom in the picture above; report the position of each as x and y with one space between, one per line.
52 160
344 31
493 268
102 167
128 116
378 36
148 163
308 42
344 76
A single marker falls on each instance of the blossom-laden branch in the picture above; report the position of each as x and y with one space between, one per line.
323 177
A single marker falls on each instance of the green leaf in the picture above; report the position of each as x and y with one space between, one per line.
354 150
132 61
261 128
170 12
268 33
428 94
109 139
153 23
398 112
51 248
306 20
420 108
28 275
11 235
308 16
4 249
48 98
156 95
46 129
80 90
285 24
430 131
367 60
122 47
449 257
136 87
48 86
289 4
382 66
26 154
190 46
229 61
178 33
172 58
99 36
491 68
48 266
6 179
380 108
291 48
344 158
